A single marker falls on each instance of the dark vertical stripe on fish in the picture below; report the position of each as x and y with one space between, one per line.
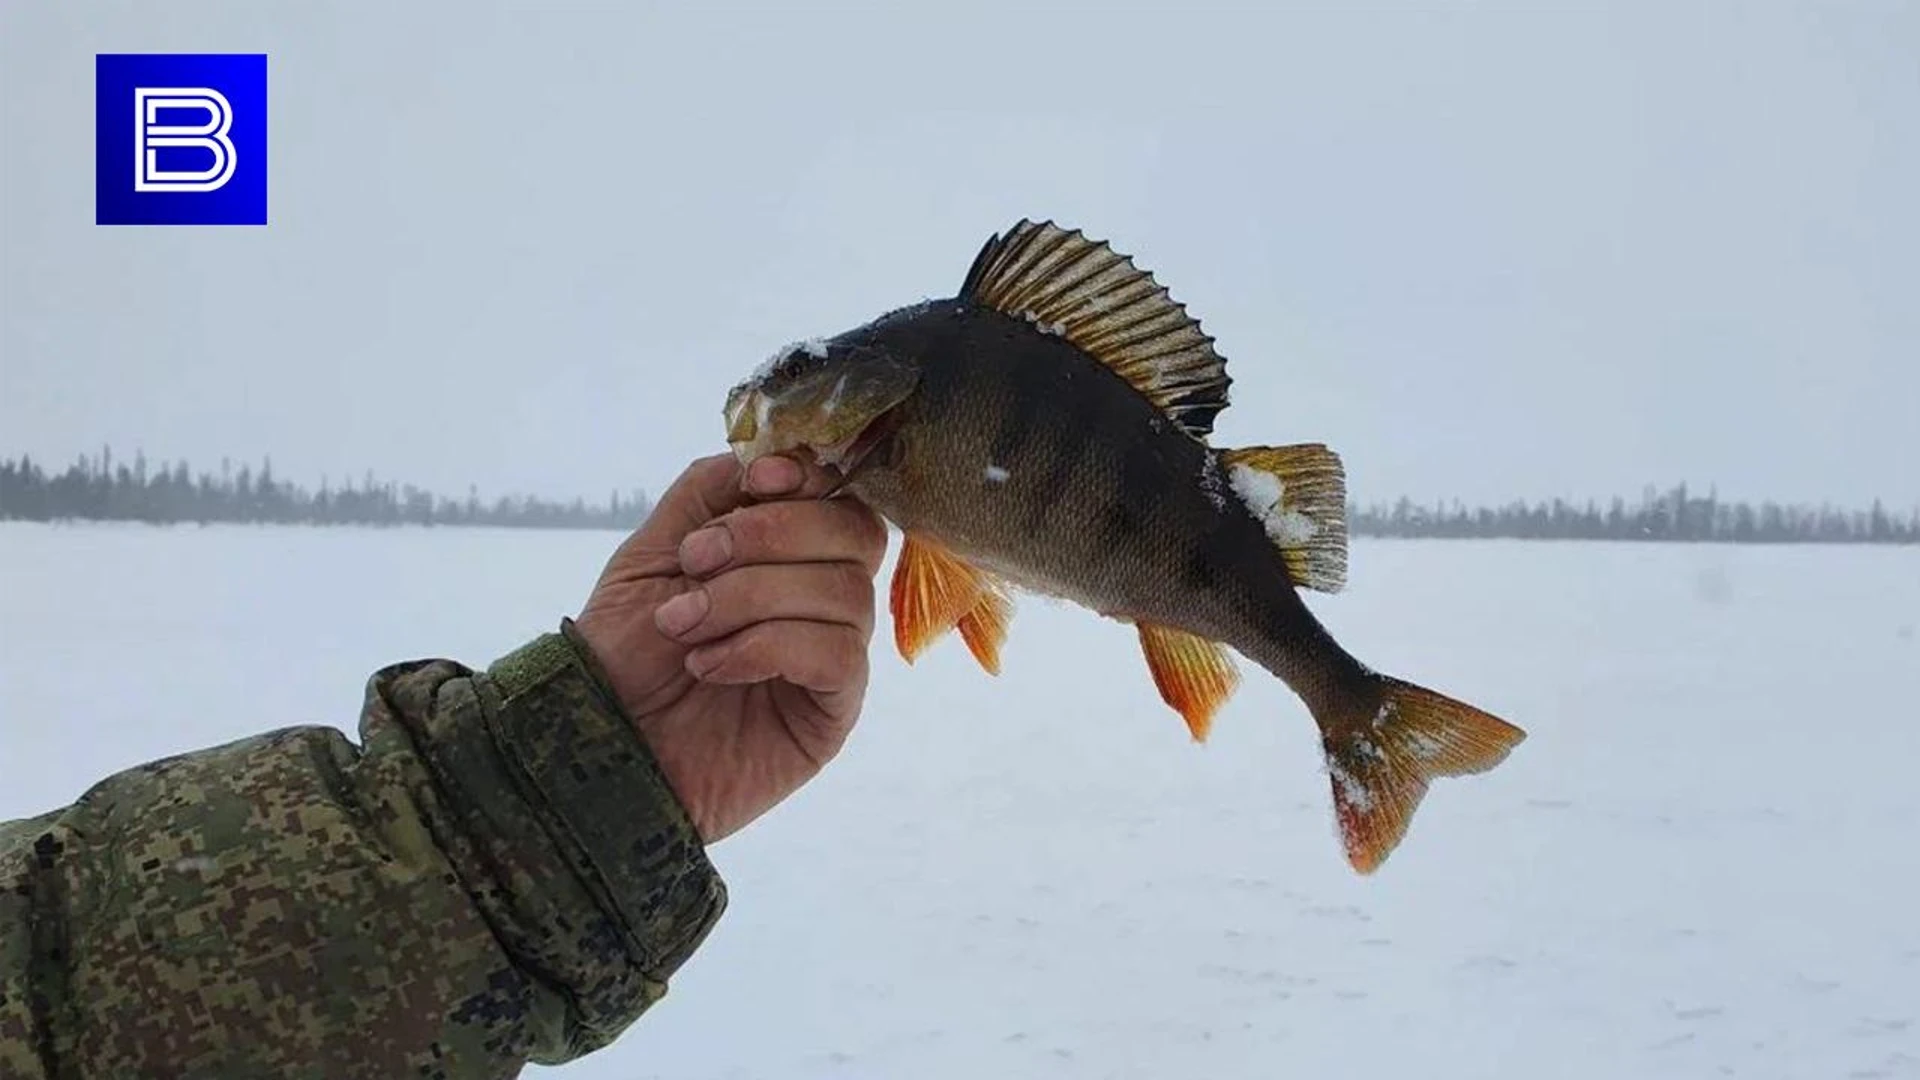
1217 550
1142 474
1024 413
1064 419
939 385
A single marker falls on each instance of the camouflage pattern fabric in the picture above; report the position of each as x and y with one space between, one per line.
498 874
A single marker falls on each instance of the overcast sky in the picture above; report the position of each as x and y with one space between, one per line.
1483 253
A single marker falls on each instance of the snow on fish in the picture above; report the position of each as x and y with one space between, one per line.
1047 429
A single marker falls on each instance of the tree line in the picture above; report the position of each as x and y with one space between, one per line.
96 487
101 488
1674 514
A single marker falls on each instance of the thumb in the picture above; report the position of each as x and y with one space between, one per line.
706 489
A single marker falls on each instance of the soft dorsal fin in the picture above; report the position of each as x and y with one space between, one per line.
1094 297
1299 493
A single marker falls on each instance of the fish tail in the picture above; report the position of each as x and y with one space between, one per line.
1386 742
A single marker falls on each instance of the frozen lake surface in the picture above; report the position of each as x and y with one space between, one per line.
1702 863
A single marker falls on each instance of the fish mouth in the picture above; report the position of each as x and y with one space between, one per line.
854 452
747 412
753 433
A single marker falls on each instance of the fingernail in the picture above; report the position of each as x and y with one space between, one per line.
705 551
774 476
682 613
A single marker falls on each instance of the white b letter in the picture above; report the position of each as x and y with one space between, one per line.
149 135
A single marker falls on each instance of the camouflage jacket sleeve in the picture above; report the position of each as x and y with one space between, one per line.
497 874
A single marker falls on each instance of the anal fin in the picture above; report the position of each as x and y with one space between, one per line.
1299 493
934 591
1194 675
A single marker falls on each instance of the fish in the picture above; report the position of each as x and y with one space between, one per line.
1047 430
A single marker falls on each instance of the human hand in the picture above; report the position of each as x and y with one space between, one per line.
734 626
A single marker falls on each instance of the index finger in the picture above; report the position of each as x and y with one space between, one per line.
787 531
712 486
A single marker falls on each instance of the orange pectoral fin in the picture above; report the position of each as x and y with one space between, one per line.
1194 675
933 590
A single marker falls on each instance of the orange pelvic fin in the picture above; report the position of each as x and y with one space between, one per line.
934 591
1382 760
984 629
1194 675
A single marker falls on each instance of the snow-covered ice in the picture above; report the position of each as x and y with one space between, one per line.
1702 863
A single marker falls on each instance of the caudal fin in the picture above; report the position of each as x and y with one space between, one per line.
1383 755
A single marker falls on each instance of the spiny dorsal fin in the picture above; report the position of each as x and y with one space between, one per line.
1094 297
1300 494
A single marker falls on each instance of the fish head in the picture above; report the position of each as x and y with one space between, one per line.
825 397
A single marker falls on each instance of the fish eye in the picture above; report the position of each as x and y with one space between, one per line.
789 361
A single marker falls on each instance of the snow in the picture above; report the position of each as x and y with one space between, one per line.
1352 790
1051 329
767 366
814 347
997 475
1263 492
1211 483
1423 746
1040 875
1383 714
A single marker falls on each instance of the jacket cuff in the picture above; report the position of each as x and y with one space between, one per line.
554 716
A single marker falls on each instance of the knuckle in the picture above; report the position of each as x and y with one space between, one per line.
755 530
850 649
748 596
702 482
852 584
727 595
753 647
712 469
857 524
870 532
746 654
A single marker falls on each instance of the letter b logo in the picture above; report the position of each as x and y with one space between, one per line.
150 137
180 140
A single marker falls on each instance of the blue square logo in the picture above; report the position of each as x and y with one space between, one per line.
180 139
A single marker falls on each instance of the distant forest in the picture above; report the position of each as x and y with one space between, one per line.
1658 515
103 488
